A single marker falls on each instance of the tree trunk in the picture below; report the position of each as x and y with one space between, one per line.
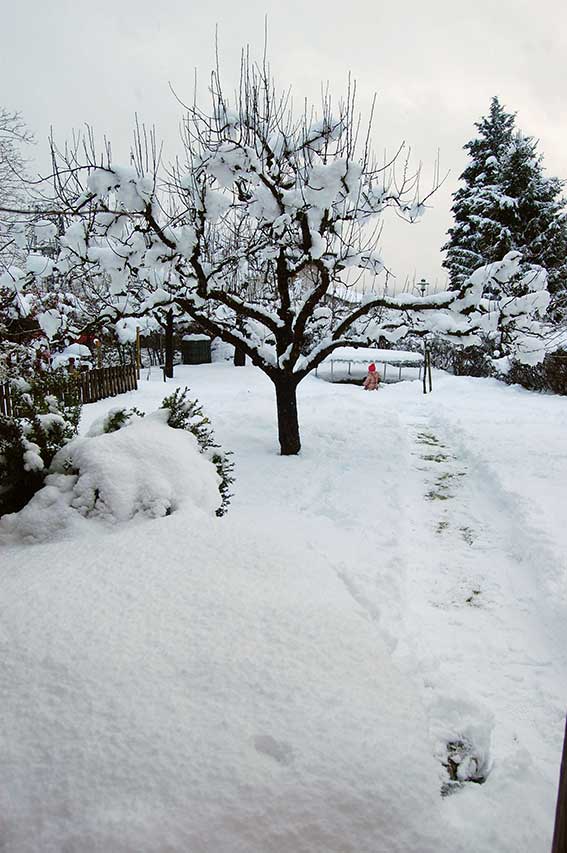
169 344
239 357
288 423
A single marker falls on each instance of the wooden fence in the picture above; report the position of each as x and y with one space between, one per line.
107 382
92 385
5 399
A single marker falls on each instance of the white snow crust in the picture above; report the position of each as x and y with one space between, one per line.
287 678
368 354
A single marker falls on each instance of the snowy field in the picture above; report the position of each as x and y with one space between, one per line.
286 679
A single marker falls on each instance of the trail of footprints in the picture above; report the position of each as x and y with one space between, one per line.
446 482
463 762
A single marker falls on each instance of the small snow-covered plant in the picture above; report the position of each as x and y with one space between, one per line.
118 418
185 413
46 417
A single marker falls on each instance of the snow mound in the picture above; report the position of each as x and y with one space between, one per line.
144 469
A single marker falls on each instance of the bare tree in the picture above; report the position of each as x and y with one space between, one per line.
13 136
265 213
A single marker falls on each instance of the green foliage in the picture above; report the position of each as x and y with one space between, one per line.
462 361
188 414
550 375
118 418
506 203
472 361
46 416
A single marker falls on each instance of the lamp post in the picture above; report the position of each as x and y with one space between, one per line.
422 286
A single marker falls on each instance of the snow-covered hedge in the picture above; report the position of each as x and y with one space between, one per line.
550 375
46 416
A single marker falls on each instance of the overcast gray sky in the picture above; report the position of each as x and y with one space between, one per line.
434 64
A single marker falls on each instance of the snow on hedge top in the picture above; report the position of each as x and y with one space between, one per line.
144 469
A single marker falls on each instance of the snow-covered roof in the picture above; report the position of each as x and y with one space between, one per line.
78 352
195 338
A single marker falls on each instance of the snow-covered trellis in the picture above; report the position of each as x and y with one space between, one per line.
381 357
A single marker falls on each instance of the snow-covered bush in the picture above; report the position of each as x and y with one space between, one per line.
550 375
46 417
472 361
144 469
186 414
113 420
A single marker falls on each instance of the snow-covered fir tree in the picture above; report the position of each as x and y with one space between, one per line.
506 204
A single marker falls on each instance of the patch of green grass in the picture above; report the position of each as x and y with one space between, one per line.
448 475
428 438
437 496
435 457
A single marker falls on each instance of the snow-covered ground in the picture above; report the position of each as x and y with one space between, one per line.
287 678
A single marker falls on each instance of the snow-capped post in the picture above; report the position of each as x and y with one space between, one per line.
422 287
560 832
261 219
138 352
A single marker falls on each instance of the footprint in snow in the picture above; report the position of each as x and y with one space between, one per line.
279 750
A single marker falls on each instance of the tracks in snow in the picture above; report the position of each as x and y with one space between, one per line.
480 616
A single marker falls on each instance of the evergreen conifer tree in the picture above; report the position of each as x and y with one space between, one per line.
507 203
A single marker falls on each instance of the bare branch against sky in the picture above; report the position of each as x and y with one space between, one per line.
434 65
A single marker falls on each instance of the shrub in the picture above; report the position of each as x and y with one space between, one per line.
46 416
550 375
187 414
472 361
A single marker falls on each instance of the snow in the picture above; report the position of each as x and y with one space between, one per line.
50 322
39 265
133 191
44 231
196 338
288 677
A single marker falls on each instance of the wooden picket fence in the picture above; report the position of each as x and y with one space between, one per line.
92 385
107 382
6 407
